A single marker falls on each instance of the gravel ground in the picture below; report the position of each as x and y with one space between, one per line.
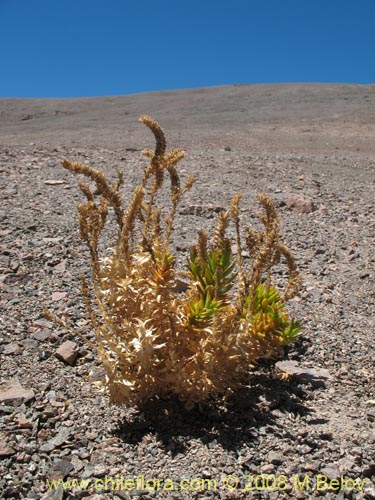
279 438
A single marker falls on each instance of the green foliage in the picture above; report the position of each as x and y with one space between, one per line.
268 314
213 271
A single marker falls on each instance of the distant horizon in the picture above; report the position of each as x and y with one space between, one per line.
92 49
181 89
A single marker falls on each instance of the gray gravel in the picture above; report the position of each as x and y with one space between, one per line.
60 426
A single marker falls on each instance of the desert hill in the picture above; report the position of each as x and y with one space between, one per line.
275 117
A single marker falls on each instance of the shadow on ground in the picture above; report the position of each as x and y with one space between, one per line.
249 413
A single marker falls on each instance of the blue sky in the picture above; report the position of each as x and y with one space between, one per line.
73 48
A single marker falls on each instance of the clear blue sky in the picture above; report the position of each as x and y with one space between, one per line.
71 48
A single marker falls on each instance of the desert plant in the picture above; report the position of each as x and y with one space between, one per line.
153 339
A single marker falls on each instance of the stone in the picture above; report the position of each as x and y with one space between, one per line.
314 376
24 423
58 440
6 451
41 323
346 465
331 471
298 203
60 267
56 296
299 495
369 492
67 352
49 412
275 458
181 285
60 469
41 335
54 182
29 344
88 471
97 374
201 210
267 469
77 463
11 349
12 391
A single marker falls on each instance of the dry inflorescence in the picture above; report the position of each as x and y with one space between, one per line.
154 340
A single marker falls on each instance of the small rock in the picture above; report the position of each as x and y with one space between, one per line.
88 471
41 323
298 203
42 335
315 376
52 240
356 451
181 285
56 296
7 410
29 344
56 441
57 493
61 469
60 267
206 474
77 463
267 469
49 412
11 349
346 465
299 494
326 436
369 470
97 374
201 210
275 458
331 471
308 467
54 182
23 458
67 352
44 434
51 395
369 492
192 210
12 391
24 423
6 451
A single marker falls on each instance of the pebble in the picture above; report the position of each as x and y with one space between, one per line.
12 391
11 349
67 352
61 437
6 451
315 376
42 335
267 469
57 296
332 471
54 182
275 458
299 203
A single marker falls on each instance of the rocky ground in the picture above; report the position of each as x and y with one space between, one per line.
310 435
